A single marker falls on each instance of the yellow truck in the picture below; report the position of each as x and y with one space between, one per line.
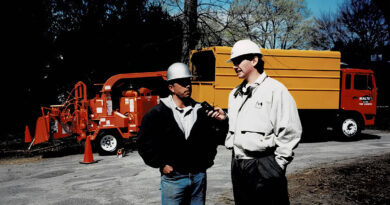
326 94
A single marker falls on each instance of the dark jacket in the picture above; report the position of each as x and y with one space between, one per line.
161 142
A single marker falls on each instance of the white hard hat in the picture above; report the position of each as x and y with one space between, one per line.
178 70
243 47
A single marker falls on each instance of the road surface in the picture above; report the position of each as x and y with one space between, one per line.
127 180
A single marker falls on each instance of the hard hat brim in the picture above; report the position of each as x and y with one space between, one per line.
180 78
260 55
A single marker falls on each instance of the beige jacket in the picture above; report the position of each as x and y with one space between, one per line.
267 119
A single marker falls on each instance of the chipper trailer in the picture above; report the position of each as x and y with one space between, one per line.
108 119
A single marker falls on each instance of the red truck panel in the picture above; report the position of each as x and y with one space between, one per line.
358 93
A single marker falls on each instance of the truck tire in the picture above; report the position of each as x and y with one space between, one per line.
108 144
349 127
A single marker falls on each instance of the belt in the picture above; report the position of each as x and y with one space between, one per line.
255 154
185 171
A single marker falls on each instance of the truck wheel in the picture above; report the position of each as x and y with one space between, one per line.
108 144
349 127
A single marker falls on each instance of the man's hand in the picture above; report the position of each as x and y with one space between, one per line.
217 113
167 169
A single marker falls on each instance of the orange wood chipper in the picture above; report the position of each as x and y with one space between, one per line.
104 119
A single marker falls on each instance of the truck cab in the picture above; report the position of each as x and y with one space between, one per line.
358 100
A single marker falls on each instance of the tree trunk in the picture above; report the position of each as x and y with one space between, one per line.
190 32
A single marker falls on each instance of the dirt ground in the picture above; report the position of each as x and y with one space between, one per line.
365 181
362 181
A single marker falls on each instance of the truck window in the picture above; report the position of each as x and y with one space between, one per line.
360 82
203 65
370 84
348 81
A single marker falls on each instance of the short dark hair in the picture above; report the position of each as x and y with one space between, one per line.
260 64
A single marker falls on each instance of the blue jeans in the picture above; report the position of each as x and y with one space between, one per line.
177 188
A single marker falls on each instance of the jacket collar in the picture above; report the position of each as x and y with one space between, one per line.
243 89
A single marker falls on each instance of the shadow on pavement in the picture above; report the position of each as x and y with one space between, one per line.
312 136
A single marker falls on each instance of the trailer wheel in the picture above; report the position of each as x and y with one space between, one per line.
349 127
108 144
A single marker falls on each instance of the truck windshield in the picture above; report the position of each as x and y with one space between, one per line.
362 82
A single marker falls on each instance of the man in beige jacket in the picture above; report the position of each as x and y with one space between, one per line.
264 128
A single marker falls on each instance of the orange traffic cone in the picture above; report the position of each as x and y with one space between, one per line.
27 135
88 156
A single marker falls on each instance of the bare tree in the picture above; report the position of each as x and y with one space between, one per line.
187 12
358 29
212 22
271 23
190 31
326 32
204 22
365 22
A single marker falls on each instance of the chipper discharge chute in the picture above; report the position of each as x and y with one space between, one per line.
59 121
42 130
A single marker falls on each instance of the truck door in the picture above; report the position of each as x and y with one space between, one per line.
359 93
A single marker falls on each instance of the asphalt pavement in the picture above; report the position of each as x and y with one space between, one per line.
127 180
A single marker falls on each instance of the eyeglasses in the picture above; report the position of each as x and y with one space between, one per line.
238 60
183 82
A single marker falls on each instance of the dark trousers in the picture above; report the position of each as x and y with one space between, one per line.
259 181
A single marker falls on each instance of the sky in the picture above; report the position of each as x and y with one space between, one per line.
318 6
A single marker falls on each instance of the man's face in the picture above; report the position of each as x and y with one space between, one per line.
181 88
243 67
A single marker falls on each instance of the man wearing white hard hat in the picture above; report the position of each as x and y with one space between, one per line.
180 137
264 128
